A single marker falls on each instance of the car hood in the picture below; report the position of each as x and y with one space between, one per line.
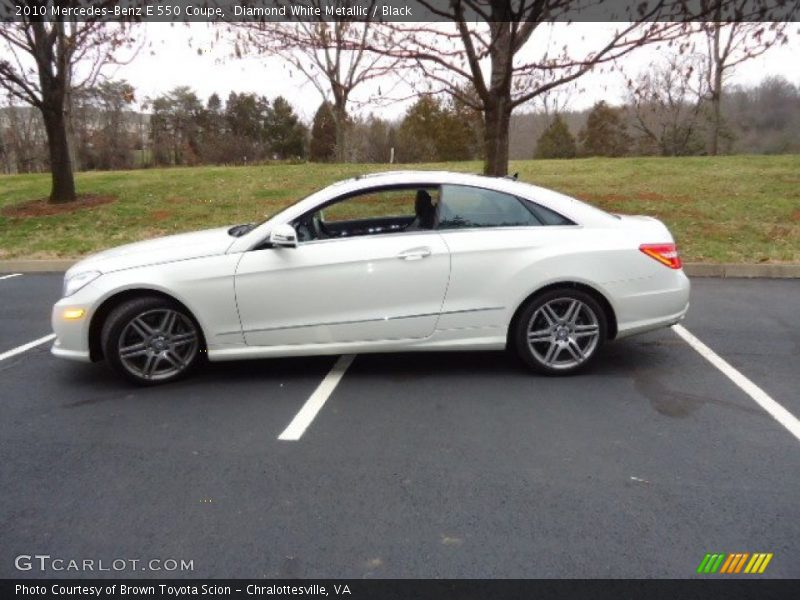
184 246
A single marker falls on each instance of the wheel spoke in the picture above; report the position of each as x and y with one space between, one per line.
549 314
586 330
150 364
575 350
142 328
572 312
168 322
173 359
133 350
183 338
552 352
542 335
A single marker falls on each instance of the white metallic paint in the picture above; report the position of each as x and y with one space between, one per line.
359 294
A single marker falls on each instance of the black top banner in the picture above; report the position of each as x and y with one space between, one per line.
221 11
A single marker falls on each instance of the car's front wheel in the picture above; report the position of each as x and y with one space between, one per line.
151 340
560 331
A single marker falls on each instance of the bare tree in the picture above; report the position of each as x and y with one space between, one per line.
730 43
667 103
488 46
547 107
105 125
23 143
38 67
332 56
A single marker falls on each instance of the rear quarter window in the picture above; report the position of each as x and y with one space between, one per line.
547 216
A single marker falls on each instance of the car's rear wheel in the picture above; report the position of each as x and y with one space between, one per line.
560 331
151 340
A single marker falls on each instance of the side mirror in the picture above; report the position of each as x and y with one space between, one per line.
283 236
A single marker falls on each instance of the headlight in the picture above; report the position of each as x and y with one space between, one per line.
78 281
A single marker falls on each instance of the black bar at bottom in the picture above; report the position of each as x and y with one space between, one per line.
404 589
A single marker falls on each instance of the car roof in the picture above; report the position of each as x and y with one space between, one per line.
575 210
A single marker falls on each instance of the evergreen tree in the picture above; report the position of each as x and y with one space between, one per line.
605 133
417 133
245 118
175 127
556 141
460 132
438 131
285 133
323 135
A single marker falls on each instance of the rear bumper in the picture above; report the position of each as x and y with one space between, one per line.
657 302
643 326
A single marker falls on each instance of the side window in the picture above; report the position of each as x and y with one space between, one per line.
547 216
371 205
464 206
371 212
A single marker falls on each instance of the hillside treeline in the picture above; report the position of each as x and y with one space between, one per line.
180 128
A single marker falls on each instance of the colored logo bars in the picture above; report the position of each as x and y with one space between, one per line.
735 563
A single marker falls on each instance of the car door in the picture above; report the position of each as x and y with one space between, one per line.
495 241
364 288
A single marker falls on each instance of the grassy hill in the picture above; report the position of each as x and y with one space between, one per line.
720 209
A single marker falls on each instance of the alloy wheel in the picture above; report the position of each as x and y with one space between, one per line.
158 344
563 333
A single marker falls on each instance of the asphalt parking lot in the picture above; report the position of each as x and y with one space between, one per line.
417 465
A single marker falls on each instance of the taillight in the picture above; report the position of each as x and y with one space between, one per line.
666 254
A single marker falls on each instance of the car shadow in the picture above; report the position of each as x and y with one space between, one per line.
653 364
617 359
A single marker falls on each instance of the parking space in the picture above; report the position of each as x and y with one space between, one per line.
415 465
755 325
26 301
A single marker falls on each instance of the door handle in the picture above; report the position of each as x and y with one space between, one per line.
415 253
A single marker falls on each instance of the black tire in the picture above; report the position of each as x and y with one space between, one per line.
544 326
138 338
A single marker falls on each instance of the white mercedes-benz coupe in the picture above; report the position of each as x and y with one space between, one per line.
388 262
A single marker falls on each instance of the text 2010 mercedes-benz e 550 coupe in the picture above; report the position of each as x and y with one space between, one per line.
388 262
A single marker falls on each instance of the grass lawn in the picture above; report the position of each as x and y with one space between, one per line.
722 209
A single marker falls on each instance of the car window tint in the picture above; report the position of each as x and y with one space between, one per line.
372 212
547 216
376 204
464 206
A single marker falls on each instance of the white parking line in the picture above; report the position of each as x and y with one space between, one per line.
28 346
776 411
317 400
10 276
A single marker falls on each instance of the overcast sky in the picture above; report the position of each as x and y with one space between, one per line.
170 58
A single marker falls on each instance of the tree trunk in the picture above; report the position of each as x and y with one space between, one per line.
340 123
716 107
54 68
496 118
63 189
69 117
497 99
716 85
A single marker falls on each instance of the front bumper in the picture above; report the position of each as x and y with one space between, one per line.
72 335
79 355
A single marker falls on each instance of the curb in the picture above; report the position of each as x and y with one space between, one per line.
727 270
26 265
723 270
